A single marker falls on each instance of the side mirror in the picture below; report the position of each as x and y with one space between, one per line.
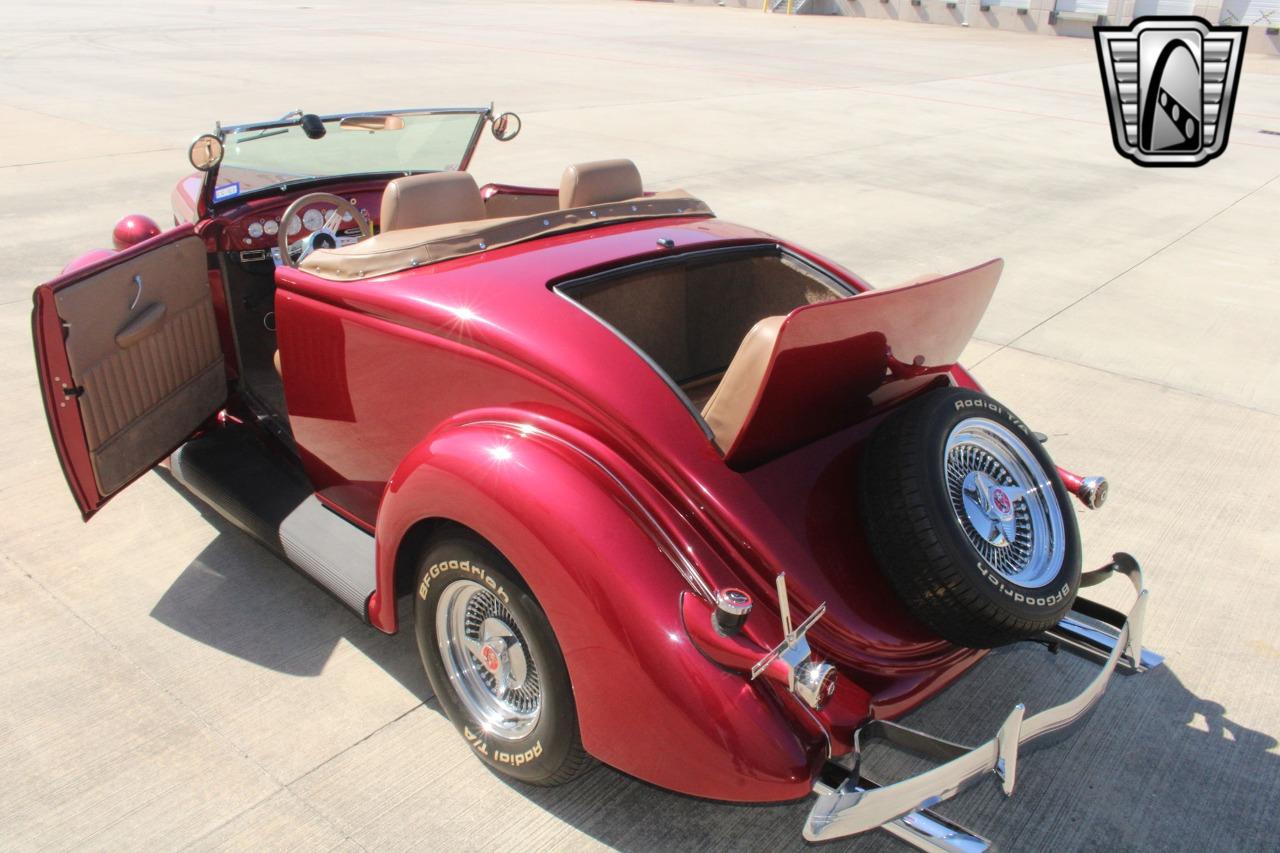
506 127
205 152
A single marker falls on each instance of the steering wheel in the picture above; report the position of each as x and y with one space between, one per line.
324 237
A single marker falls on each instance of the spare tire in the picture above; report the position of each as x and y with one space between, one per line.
968 520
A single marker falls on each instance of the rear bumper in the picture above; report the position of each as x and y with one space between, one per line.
857 805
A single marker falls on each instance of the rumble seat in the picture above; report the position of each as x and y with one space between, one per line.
433 199
727 410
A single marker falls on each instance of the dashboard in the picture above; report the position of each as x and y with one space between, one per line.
252 230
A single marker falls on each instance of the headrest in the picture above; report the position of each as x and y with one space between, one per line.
431 199
599 182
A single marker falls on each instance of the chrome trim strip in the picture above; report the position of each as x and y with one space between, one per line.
817 721
647 359
682 564
851 809
927 830
1092 638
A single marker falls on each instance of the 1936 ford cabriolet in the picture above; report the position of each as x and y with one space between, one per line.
667 492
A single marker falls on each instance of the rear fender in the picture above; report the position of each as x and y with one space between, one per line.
649 703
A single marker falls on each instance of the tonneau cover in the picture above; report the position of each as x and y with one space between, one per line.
393 251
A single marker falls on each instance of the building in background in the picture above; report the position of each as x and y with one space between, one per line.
1041 17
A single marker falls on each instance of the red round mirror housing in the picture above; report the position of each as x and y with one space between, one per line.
132 230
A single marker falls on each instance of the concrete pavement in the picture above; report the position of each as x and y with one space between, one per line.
165 683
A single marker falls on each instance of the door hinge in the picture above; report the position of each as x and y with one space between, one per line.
73 391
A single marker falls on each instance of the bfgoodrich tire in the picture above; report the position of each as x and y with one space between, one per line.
494 663
968 520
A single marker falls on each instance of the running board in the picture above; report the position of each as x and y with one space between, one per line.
259 492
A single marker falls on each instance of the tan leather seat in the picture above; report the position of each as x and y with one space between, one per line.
730 404
432 199
599 182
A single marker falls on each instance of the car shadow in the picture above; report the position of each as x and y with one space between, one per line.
1155 767
239 597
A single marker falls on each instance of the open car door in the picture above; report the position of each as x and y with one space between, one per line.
129 361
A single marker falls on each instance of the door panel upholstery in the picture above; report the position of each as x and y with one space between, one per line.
147 357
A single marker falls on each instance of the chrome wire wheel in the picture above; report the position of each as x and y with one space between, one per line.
1004 501
486 658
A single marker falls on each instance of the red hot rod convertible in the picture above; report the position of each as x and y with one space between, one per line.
667 492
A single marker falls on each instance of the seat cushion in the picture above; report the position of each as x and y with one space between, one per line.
599 182
727 410
432 199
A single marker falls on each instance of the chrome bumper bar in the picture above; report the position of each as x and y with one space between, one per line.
858 805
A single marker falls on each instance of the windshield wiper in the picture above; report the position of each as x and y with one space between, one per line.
264 134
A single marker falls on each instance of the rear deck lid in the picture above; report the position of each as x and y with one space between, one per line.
833 364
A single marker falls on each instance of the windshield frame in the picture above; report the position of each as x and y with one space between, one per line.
207 204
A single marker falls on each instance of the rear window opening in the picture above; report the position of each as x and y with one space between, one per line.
688 314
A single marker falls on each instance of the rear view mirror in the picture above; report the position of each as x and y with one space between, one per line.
506 127
205 152
312 126
372 123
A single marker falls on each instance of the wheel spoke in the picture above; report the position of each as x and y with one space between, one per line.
473 626
1003 501
474 648
517 665
500 682
1015 493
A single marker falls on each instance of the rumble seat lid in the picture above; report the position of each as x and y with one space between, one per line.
833 364
394 251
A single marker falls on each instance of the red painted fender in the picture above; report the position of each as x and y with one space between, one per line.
649 703
88 258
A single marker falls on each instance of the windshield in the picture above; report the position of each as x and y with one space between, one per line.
269 154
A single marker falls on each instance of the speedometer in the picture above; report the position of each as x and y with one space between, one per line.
313 219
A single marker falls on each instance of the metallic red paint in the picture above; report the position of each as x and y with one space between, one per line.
471 392
232 218
358 351
89 258
542 493
848 708
132 230
1072 482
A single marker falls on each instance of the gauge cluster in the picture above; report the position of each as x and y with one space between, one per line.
259 230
